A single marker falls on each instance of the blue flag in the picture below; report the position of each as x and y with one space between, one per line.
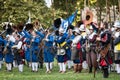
71 18
64 25
68 21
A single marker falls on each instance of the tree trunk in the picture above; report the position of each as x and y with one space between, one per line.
100 14
66 3
114 12
98 11
106 10
110 16
119 6
84 3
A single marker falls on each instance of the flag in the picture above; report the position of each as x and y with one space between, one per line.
29 19
64 25
71 18
48 3
68 21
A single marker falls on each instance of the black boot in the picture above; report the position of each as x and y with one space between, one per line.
90 69
105 73
41 65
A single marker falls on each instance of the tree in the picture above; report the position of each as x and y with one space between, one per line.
17 11
66 7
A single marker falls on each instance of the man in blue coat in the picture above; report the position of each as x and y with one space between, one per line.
61 54
27 43
68 49
8 55
49 51
1 51
35 41
27 51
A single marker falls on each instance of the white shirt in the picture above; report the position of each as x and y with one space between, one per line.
18 46
76 40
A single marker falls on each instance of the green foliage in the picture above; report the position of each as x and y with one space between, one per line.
17 10
66 7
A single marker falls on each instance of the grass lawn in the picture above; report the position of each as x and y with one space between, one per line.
55 75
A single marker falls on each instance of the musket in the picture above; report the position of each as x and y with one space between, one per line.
38 55
5 48
3 32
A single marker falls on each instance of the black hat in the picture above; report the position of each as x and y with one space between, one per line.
70 27
20 27
57 33
57 22
9 29
29 26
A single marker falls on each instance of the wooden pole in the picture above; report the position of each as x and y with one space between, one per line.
88 3
52 1
119 7
110 15
109 12
66 5
106 11
84 3
114 12
97 11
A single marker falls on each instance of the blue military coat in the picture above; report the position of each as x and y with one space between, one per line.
48 49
